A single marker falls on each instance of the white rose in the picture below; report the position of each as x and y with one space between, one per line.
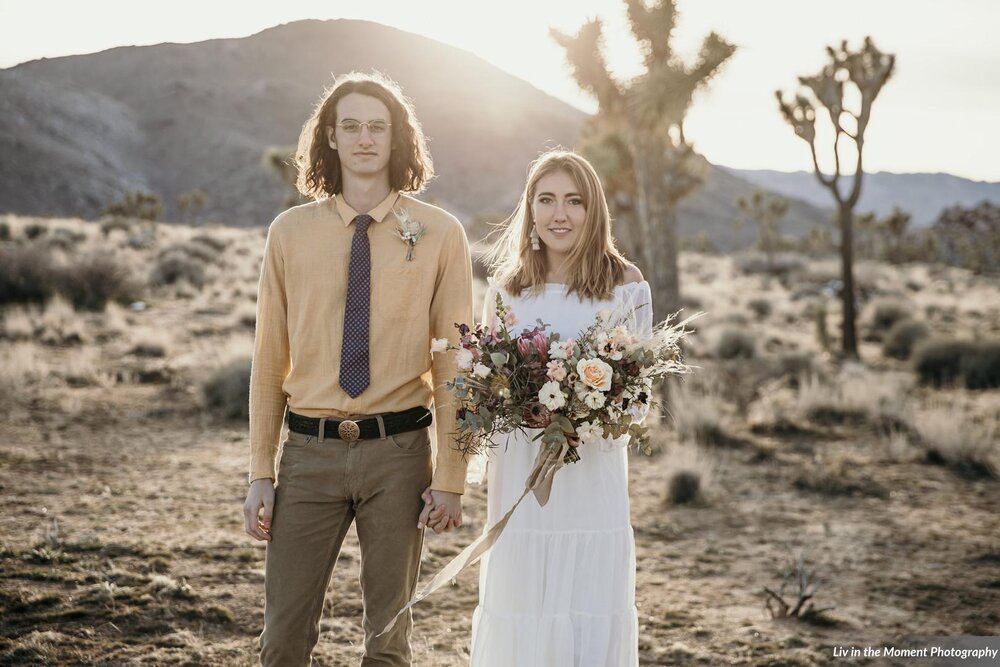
439 345
603 315
481 370
594 400
588 432
556 350
551 396
595 373
464 359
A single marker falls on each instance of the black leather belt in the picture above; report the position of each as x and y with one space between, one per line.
367 428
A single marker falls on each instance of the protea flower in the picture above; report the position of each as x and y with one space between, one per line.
536 415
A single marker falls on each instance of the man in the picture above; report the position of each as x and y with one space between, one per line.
353 288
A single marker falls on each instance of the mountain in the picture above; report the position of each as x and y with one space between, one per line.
79 131
923 196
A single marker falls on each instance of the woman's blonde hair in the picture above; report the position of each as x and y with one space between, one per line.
594 265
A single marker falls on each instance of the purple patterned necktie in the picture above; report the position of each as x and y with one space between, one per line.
354 349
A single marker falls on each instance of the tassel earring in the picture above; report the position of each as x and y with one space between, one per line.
534 239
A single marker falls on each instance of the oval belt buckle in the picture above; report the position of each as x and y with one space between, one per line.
348 430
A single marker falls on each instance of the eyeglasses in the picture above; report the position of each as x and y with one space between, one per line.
351 126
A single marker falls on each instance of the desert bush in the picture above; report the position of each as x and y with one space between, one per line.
760 307
4 231
883 313
227 391
154 343
698 418
953 441
202 252
175 266
113 223
34 231
795 365
93 280
65 239
980 367
689 474
216 244
902 337
58 324
27 274
853 398
735 343
683 486
938 361
782 264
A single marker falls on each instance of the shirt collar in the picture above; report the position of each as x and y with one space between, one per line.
347 214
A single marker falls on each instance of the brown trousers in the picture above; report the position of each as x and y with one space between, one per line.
322 487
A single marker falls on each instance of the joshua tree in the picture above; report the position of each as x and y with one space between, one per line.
868 69
136 204
636 139
766 213
191 203
281 161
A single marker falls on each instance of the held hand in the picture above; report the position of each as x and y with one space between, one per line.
447 511
428 506
260 496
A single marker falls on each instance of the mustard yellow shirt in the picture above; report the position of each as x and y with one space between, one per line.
300 322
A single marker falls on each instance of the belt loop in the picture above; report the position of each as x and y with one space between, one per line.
322 429
381 427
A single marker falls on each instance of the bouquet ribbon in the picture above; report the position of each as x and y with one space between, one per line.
539 482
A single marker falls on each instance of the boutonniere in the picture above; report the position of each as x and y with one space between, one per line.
409 231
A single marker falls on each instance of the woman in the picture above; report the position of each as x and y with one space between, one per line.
558 587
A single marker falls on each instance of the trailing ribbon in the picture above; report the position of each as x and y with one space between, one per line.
539 482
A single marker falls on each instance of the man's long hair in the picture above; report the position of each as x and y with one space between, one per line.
594 266
410 165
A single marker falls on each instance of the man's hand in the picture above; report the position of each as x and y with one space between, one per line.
261 495
442 510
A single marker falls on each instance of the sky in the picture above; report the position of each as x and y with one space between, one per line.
939 112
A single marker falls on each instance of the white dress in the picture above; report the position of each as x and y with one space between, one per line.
558 587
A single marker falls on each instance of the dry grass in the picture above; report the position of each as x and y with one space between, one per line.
970 449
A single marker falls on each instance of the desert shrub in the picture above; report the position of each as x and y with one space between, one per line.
758 263
902 337
795 365
980 367
63 239
93 280
684 486
761 308
957 443
154 343
199 251
885 313
216 244
735 343
227 391
27 274
4 231
112 223
176 265
938 361
689 473
34 231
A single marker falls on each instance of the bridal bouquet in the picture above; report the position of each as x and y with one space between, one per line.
597 385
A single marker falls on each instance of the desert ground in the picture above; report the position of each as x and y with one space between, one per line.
123 456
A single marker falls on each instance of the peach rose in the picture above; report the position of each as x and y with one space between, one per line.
595 373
